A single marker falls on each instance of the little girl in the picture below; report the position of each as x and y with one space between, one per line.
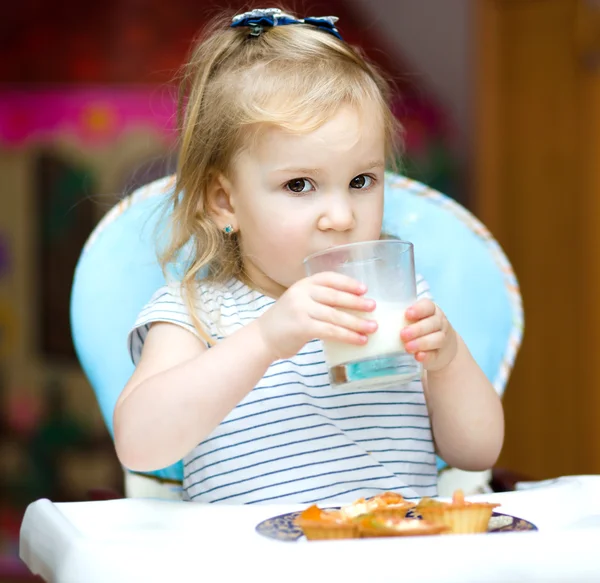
286 131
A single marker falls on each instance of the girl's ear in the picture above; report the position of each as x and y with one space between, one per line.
218 197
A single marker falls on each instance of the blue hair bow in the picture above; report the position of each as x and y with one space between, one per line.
257 19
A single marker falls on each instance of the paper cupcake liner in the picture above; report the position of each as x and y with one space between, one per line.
465 520
380 532
328 531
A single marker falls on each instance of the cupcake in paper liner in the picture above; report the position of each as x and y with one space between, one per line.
460 516
372 526
318 524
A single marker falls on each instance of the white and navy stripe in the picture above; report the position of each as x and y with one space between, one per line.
293 439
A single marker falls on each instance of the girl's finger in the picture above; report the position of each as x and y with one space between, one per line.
340 299
426 343
342 319
421 328
328 331
426 357
339 281
422 309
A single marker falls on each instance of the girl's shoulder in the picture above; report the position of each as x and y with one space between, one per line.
202 292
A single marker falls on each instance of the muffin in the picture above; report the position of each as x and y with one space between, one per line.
460 516
318 524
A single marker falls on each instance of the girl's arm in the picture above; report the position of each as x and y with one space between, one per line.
466 413
180 391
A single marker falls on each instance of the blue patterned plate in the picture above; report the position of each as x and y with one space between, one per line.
283 527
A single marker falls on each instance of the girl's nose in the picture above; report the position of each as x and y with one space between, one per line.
338 215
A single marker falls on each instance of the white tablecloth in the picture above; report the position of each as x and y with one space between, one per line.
151 540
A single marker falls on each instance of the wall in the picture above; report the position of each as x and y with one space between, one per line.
433 38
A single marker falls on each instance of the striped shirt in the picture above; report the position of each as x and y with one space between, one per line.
293 439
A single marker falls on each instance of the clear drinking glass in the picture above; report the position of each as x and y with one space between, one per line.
387 268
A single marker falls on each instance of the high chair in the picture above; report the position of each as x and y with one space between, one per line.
470 278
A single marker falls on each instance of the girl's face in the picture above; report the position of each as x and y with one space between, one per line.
295 194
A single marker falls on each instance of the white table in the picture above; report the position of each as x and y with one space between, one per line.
151 540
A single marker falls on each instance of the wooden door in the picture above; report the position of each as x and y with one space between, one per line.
589 61
537 186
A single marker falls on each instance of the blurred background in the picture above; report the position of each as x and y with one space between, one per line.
501 103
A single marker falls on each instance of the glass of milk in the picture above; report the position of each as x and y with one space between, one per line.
387 268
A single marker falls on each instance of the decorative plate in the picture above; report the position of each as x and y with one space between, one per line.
283 527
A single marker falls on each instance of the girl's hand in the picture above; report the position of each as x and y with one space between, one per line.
430 337
316 307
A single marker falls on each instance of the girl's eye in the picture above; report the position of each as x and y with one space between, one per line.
299 185
361 182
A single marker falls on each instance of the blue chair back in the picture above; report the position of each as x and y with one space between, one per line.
469 276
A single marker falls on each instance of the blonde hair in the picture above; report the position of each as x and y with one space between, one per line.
294 77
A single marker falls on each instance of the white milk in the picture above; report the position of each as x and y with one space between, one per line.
386 340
